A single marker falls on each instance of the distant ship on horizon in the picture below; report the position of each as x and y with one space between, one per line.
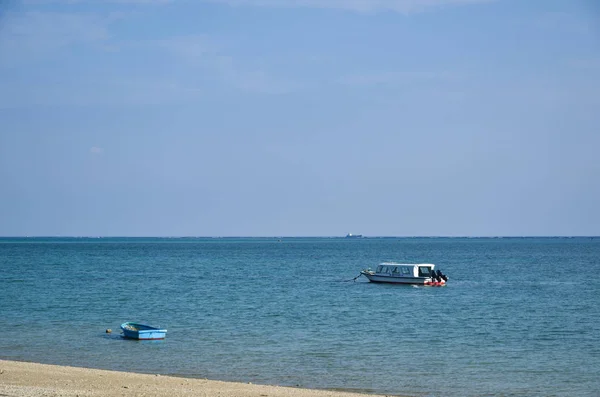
350 235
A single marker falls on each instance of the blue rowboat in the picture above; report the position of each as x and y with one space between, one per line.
142 332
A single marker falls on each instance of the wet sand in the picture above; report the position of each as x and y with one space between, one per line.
30 379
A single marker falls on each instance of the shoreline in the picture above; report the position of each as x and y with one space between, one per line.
26 379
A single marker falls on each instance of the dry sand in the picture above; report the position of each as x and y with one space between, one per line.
29 379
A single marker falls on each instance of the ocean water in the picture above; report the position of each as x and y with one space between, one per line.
519 316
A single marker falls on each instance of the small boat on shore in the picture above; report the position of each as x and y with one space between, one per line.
142 331
406 273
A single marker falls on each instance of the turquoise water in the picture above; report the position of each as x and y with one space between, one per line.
519 316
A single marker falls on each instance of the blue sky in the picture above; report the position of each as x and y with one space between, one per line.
299 117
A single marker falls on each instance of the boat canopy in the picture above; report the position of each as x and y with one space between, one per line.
431 265
406 264
405 269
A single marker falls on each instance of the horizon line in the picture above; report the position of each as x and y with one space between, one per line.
308 236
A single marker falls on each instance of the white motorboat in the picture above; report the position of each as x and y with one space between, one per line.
406 273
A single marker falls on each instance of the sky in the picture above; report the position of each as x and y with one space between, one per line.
299 117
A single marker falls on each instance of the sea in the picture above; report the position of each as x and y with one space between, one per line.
518 316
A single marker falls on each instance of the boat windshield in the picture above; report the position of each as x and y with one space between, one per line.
424 271
383 269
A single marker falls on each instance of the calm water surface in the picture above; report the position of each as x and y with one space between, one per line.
519 317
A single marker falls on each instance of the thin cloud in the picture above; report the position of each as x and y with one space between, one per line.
194 46
42 2
201 52
387 78
366 6
565 22
96 150
400 6
590 64
35 34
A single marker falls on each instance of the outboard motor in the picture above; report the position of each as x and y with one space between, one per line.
441 276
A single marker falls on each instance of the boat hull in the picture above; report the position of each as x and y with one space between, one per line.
142 332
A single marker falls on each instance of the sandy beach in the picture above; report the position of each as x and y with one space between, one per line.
31 379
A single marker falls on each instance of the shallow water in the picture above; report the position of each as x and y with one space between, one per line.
519 316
